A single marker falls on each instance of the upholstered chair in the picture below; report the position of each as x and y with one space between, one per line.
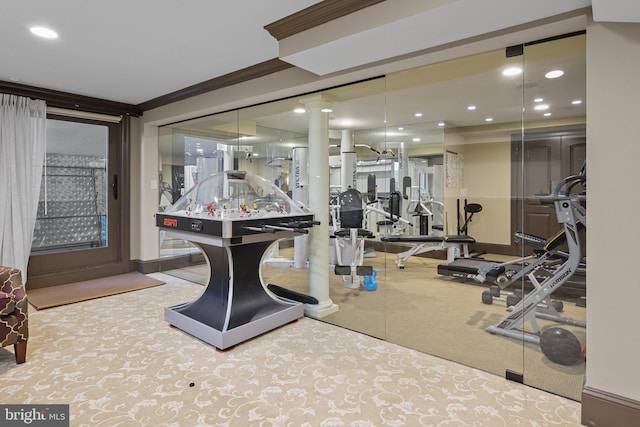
13 312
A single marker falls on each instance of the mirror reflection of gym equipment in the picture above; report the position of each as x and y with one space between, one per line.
413 203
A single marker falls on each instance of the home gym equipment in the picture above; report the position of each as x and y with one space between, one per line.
570 211
233 217
392 223
370 283
468 211
349 235
300 195
456 245
427 210
561 346
547 256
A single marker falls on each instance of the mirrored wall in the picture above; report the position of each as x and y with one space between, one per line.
464 183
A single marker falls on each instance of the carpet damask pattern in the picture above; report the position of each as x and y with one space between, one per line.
116 362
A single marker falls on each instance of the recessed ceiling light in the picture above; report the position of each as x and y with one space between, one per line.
554 74
471 107
538 100
400 128
441 124
488 119
416 139
44 32
326 110
511 71
299 110
576 101
546 114
541 107
418 114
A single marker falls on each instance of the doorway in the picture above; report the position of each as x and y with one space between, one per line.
537 166
81 228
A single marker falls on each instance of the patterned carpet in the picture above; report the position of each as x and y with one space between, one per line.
117 363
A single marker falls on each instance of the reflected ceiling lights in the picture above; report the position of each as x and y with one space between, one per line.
44 32
554 74
511 71
546 114
326 110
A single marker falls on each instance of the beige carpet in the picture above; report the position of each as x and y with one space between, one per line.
54 296
116 362
419 309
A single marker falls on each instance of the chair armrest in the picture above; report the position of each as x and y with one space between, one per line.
11 281
7 304
11 285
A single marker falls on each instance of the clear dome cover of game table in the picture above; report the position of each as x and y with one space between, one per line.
235 194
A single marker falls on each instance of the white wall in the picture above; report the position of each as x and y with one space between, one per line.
613 176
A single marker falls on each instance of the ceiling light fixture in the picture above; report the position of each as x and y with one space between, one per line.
326 110
471 107
44 32
554 74
416 139
400 128
538 100
511 71
576 102
546 114
299 110
418 114
488 119
541 107
441 124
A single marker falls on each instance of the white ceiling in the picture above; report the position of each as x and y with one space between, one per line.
135 51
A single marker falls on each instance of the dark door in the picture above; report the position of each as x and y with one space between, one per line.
537 166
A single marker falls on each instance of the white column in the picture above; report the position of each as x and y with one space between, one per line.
319 205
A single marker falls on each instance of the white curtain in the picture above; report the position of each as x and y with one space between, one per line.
22 150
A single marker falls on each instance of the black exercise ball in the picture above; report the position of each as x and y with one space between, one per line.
561 346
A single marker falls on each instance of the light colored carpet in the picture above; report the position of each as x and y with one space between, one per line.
117 363
419 309
53 296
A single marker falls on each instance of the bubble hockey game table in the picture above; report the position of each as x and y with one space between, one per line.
233 217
